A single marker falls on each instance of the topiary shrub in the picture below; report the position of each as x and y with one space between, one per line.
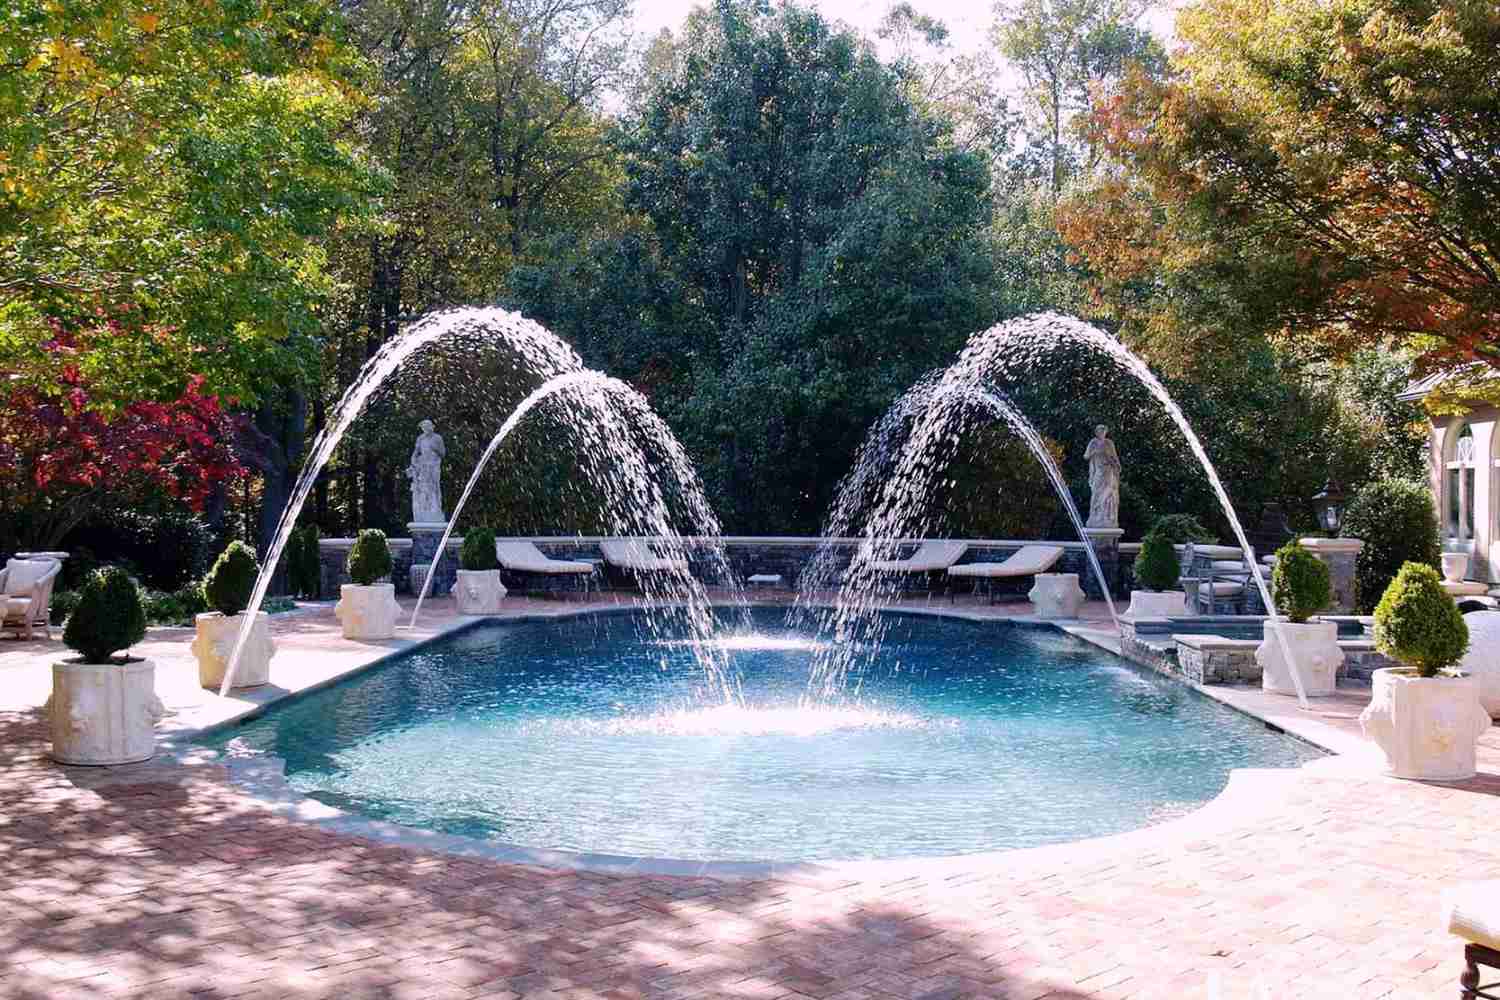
1179 529
1417 622
1156 566
1299 584
304 570
478 552
1396 520
370 559
108 618
231 581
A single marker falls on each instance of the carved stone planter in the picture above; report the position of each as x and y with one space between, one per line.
103 713
1316 657
1156 604
215 641
1056 595
479 591
1426 726
367 612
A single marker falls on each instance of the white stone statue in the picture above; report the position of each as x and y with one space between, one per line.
425 471
1104 480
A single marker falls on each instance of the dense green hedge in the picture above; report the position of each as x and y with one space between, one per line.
1398 524
370 558
1156 565
478 552
1299 584
108 618
1179 529
304 570
1418 623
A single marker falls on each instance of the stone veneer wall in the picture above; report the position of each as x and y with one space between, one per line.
746 556
1204 658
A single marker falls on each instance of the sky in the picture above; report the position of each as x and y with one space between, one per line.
967 20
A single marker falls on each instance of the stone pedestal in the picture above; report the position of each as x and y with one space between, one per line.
1106 545
1056 595
1339 555
424 542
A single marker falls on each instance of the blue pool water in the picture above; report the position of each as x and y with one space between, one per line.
586 734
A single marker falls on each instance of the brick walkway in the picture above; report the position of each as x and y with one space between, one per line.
161 881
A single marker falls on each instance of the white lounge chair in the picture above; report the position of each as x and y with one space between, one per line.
634 556
525 557
26 590
931 559
1029 560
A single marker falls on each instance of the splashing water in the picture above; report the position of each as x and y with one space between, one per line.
613 463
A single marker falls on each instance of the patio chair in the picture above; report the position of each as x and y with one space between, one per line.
1029 560
526 558
931 559
1472 913
632 557
26 589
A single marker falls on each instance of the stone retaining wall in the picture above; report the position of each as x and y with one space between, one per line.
1197 655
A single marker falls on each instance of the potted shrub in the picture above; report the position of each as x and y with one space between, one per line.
104 708
226 591
1156 572
479 589
1424 715
367 608
1301 588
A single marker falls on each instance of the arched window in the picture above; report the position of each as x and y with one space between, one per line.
1459 519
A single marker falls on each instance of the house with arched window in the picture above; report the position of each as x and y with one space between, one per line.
1462 463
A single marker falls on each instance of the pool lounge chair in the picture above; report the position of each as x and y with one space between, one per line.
524 557
632 557
26 595
931 559
1029 560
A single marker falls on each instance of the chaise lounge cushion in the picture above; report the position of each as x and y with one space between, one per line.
1027 561
930 557
525 557
1472 911
22 576
633 554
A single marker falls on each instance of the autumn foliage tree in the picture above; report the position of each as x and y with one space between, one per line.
1325 170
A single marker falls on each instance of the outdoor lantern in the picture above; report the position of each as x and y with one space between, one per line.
1329 505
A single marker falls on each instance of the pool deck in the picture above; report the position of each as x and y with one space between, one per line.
169 879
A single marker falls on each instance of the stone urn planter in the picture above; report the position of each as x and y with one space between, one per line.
1316 657
103 713
1056 595
1156 604
214 643
479 591
367 612
1426 726
1455 566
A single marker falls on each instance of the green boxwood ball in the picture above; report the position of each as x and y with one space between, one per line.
109 616
231 581
478 552
1417 622
1156 566
370 558
1299 583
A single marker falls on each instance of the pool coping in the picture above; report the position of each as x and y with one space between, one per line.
261 777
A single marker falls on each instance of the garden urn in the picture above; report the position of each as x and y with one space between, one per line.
1455 566
479 591
103 713
1426 727
1315 653
367 612
217 633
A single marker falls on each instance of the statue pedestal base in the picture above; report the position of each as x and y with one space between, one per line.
1106 545
424 542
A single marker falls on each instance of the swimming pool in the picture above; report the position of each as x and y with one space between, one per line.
589 734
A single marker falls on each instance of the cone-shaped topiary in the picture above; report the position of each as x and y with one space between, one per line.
1179 529
231 581
1299 583
370 559
303 566
1156 565
478 552
1418 623
109 616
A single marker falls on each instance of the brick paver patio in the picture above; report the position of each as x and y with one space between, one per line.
163 880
